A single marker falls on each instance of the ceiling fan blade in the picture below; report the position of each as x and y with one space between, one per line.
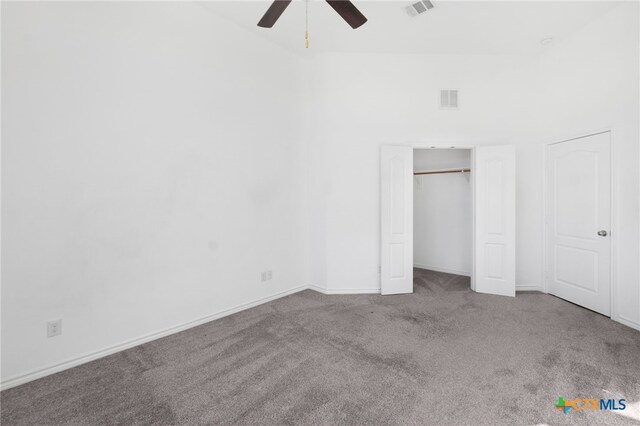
273 13
349 12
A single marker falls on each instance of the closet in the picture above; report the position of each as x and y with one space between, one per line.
442 210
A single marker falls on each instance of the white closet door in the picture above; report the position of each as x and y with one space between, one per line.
397 219
495 221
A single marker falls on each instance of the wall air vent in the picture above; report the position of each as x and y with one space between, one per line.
449 99
419 7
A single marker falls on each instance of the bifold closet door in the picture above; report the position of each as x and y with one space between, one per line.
495 220
396 263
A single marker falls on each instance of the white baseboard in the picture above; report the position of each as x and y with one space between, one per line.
74 362
445 270
530 288
345 290
627 322
318 289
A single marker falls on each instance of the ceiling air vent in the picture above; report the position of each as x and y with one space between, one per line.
449 99
420 7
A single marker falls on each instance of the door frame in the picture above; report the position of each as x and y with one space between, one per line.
612 200
472 180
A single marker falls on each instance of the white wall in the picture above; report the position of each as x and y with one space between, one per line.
364 101
149 173
430 159
590 81
151 168
442 212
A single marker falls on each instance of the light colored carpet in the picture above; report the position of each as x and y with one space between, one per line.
443 355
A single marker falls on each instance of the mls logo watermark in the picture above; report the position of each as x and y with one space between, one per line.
590 404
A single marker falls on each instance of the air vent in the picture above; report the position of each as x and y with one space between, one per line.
449 99
420 7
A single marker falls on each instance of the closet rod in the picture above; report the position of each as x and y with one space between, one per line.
442 171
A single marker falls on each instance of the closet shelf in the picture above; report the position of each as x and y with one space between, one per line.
437 172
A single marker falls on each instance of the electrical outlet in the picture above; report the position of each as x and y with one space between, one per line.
266 276
54 328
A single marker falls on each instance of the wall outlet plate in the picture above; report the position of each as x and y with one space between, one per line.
54 328
266 276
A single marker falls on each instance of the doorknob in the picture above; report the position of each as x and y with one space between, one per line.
602 233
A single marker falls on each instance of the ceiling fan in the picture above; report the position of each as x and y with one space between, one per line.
345 8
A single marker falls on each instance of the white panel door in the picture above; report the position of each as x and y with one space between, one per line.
495 220
579 220
396 264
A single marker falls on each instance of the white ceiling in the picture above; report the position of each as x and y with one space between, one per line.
451 27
